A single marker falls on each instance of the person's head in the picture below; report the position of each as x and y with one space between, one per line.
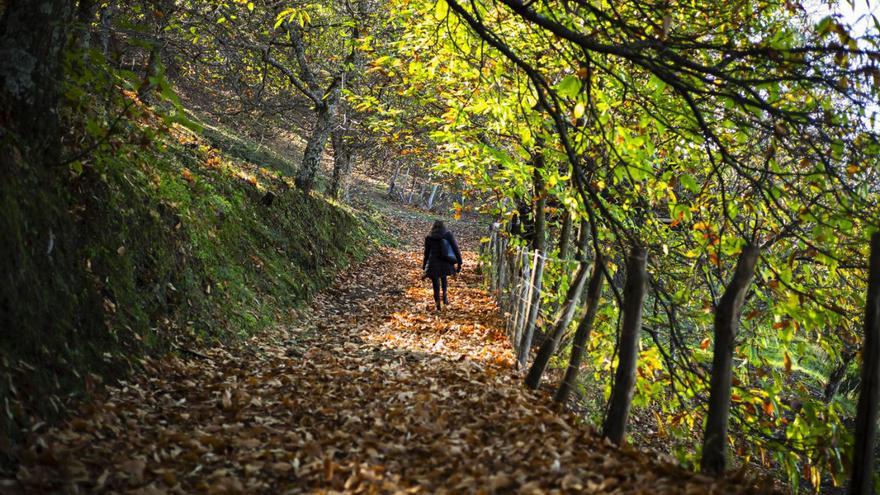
438 228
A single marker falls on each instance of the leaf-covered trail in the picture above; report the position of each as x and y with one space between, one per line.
370 393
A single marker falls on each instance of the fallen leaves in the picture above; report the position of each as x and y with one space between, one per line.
369 393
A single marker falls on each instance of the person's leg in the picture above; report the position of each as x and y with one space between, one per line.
435 284
445 301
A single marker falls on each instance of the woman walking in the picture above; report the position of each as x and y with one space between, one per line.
442 258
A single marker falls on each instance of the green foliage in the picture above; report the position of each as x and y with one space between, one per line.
675 146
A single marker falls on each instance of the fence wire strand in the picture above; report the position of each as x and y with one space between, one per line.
510 273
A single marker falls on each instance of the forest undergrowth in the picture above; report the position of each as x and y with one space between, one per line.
370 392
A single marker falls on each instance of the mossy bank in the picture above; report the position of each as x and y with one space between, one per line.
153 243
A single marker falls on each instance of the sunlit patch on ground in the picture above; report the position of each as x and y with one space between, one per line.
371 392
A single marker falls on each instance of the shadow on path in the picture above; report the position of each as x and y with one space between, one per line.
370 393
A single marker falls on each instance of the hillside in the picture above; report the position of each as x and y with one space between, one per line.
173 245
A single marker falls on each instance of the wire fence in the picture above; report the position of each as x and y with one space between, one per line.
515 277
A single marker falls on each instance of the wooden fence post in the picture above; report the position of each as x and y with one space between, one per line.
548 347
502 268
534 306
525 302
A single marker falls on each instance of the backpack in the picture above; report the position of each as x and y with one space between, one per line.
447 254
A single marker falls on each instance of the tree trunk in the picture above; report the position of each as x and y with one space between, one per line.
503 268
430 203
46 296
726 324
497 267
311 162
412 190
106 22
540 207
393 184
582 334
152 71
565 236
85 14
32 38
524 297
539 244
583 243
341 166
832 386
628 350
866 414
548 347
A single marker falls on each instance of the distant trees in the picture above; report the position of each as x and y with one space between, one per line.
325 98
269 61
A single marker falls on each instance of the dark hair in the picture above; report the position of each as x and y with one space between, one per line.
438 228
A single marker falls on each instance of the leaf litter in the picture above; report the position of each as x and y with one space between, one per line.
371 392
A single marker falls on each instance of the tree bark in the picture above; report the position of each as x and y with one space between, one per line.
412 190
832 386
32 38
540 207
341 166
582 334
524 298
565 236
583 243
430 202
311 162
532 318
862 479
106 22
85 14
393 183
548 347
152 71
628 351
726 324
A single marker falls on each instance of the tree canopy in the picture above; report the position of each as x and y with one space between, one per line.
693 130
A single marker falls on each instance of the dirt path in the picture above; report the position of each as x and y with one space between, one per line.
370 393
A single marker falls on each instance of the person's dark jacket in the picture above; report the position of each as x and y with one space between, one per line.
433 261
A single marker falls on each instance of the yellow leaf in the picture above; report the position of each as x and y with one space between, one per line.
787 362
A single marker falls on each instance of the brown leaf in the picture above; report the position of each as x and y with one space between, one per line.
134 468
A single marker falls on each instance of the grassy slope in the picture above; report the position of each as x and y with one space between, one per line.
171 245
